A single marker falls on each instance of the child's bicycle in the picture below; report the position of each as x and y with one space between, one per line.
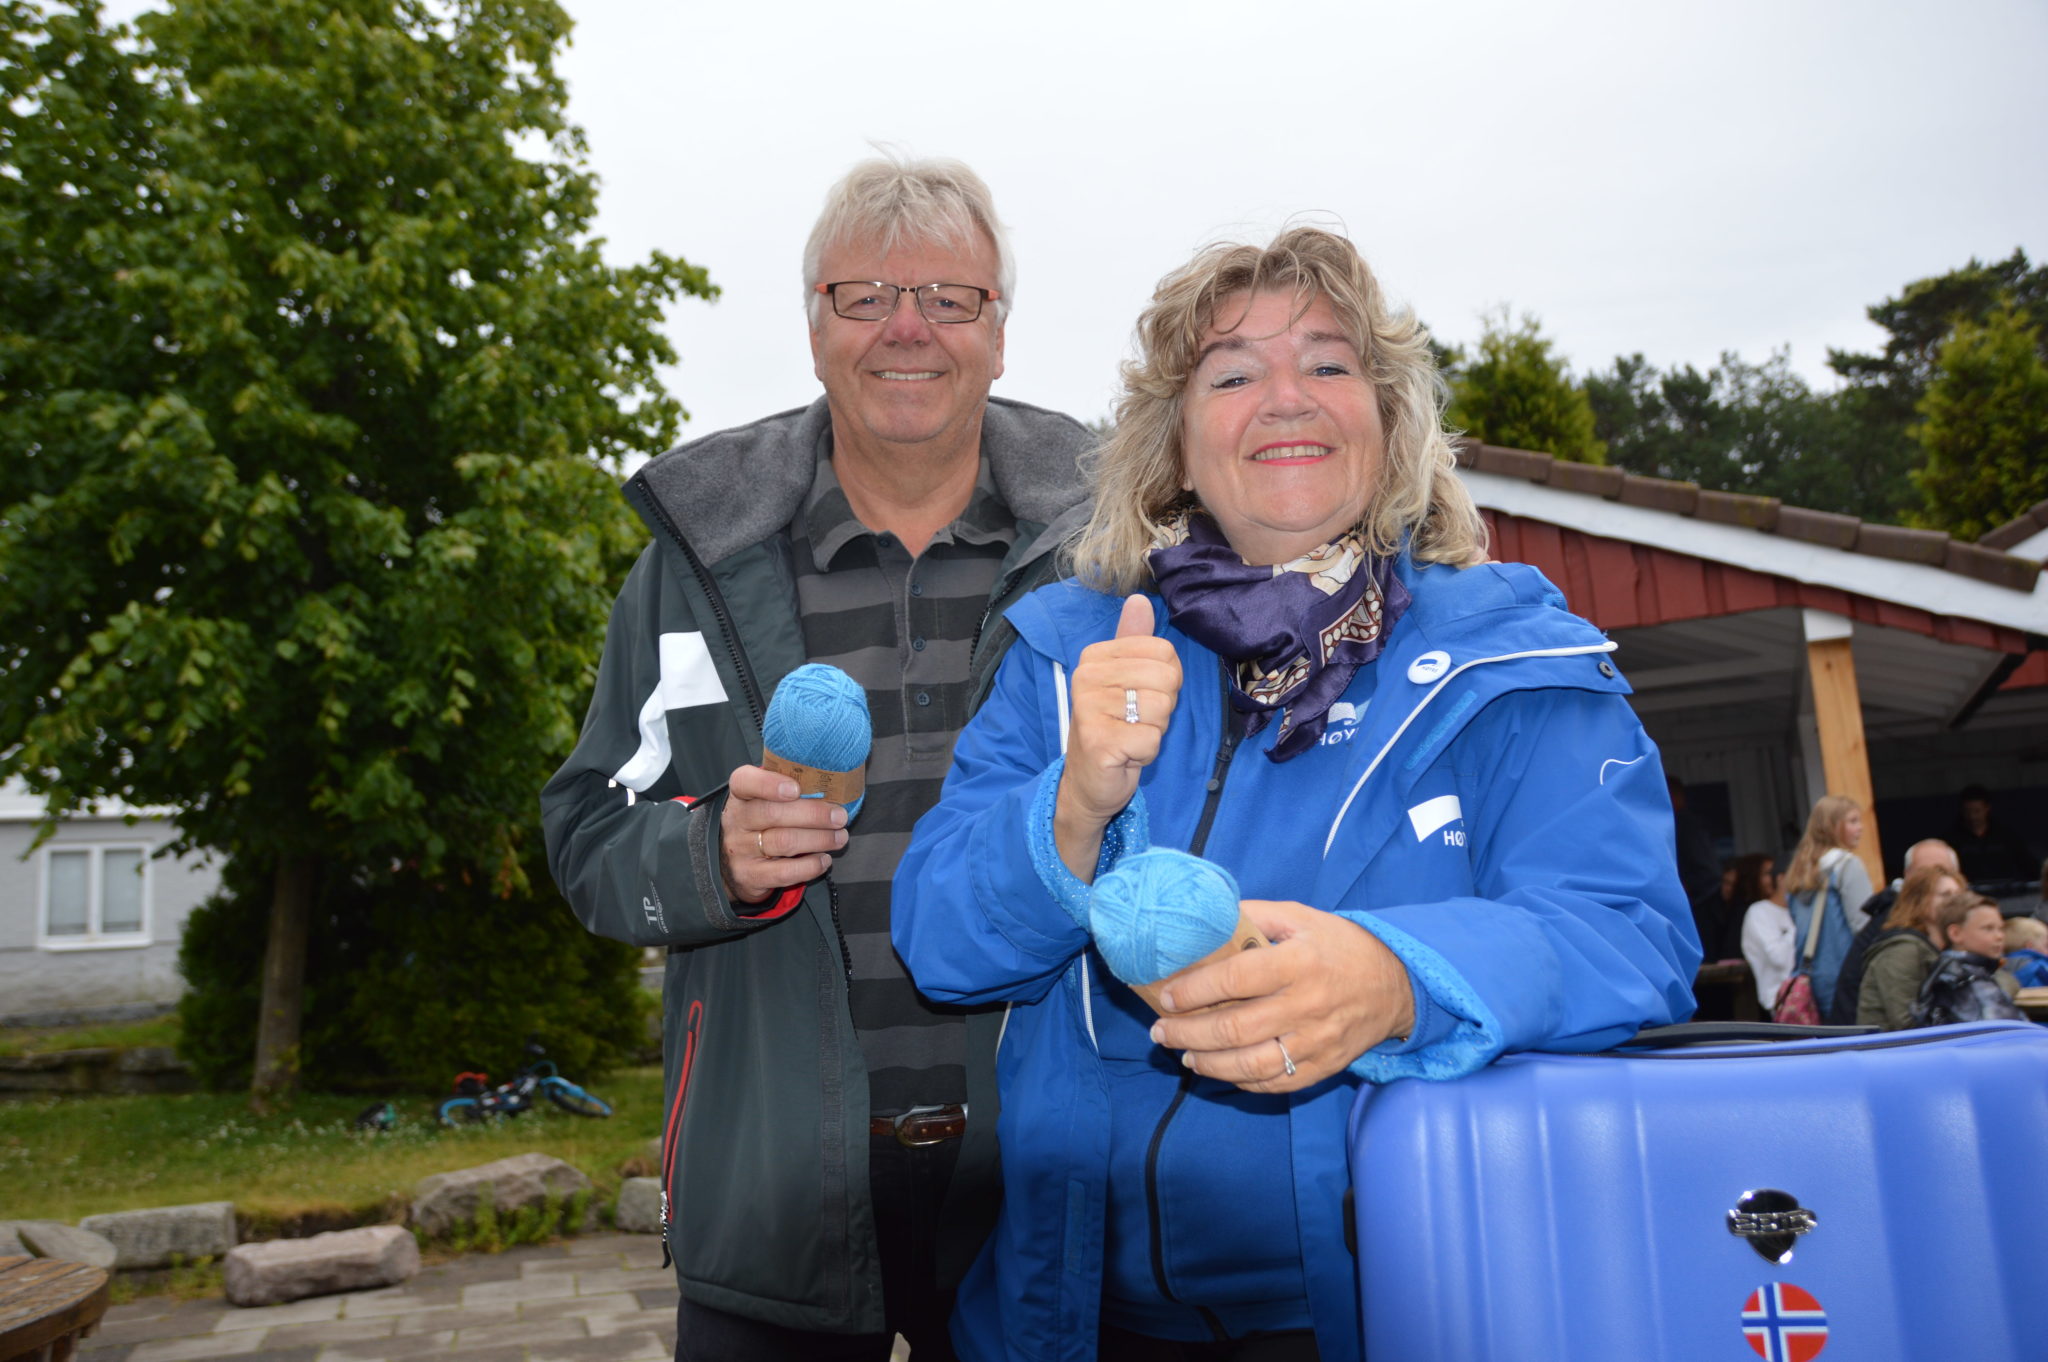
476 1101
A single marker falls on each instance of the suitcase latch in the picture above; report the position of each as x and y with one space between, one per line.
1770 1221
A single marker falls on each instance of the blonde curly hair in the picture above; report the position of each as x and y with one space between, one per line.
1136 475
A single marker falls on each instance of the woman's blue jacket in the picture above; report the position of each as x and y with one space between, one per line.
1483 801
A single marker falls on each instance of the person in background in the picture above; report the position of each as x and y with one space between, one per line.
1699 869
1967 982
1991 852
1828 879
1717 916
1878 907
829 1164
1904 953
2026 950
1767 942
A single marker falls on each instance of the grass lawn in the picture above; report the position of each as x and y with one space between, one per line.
309 1168
30 1040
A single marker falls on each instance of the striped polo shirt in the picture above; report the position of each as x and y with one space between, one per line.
904 629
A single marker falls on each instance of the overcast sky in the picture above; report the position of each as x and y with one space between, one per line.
1676 178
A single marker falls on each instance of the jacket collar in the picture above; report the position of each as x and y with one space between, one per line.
737 487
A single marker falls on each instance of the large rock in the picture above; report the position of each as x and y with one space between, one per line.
54 1239
152 1238
443 1201
10 1242
639 1210
342 1260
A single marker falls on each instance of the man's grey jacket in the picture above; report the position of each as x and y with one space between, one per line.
765 1143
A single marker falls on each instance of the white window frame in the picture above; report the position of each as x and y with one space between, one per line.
95 901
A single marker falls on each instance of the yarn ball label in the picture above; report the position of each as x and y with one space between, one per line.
841 787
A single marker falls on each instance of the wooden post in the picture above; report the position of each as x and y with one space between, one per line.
1838 715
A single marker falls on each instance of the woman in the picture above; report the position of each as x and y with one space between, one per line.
1968 983
1827 878
1903 955
1418 766
1767 935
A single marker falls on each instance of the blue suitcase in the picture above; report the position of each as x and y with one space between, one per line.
1876 1198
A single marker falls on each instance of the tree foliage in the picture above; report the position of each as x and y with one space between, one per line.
1742 427
1984 426
310 375
1515 390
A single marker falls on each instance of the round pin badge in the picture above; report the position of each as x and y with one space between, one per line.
1429 667
1784 1323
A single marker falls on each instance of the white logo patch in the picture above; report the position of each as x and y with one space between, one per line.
1429 667
1431 815
1615 761
1340 725
688 678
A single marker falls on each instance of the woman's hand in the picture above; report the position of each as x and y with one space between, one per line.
1326 989
769 839
1131 672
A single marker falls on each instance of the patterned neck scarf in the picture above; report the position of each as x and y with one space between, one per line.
1296 632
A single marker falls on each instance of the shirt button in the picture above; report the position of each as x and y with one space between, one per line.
917 644
917 588
923 697
885 539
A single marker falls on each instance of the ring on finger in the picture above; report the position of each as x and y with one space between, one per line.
1286 1060
1130 706
762 843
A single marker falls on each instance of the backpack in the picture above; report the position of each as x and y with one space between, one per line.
1824 922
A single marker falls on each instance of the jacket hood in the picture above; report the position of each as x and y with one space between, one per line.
737 487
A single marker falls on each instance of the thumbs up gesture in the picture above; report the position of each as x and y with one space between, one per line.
1123 694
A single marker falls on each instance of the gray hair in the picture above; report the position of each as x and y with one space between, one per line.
893 200
1136 475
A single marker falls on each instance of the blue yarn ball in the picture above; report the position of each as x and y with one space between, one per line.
1159 911
819 717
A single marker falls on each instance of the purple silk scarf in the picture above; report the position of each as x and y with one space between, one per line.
1296 632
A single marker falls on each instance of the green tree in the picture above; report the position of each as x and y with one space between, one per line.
1514 390
310 377
1984 426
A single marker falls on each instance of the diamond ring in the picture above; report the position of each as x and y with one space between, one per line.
1130 706
1286 1059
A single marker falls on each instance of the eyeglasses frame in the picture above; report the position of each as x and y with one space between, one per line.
916 292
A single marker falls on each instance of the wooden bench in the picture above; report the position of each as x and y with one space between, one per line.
46 1306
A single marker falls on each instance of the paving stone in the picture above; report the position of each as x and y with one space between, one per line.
115 1330
283 1355
198 1348
603 1283
392 1349
409 1299
150 1238
597 1245
484 1295
521 1332
443 1201
436 1320
617 1303
330 1331
321 1265
294 1312
658 1297
109 1352
602 1326
644 1346
548 1267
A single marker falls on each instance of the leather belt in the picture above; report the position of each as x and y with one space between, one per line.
916 1128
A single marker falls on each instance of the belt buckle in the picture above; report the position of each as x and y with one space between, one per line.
903 1126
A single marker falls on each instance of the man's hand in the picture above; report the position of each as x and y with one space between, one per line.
1326 989
1105 749
769 839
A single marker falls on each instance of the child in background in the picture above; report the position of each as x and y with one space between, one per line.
2026 950
1968 983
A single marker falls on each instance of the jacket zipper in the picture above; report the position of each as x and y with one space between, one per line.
691 1030
1225 750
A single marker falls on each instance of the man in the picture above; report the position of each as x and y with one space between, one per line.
828 1161
1992 854
1878 907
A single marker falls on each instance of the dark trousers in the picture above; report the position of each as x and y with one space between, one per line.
909 1188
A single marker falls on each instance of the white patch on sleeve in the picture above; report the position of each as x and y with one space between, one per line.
1432 814
688 678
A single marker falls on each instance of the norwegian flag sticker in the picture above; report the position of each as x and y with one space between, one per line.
1784 1323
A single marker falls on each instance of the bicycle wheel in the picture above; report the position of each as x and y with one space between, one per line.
462 1111
571 1098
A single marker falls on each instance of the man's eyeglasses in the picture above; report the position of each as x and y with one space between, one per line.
873 301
